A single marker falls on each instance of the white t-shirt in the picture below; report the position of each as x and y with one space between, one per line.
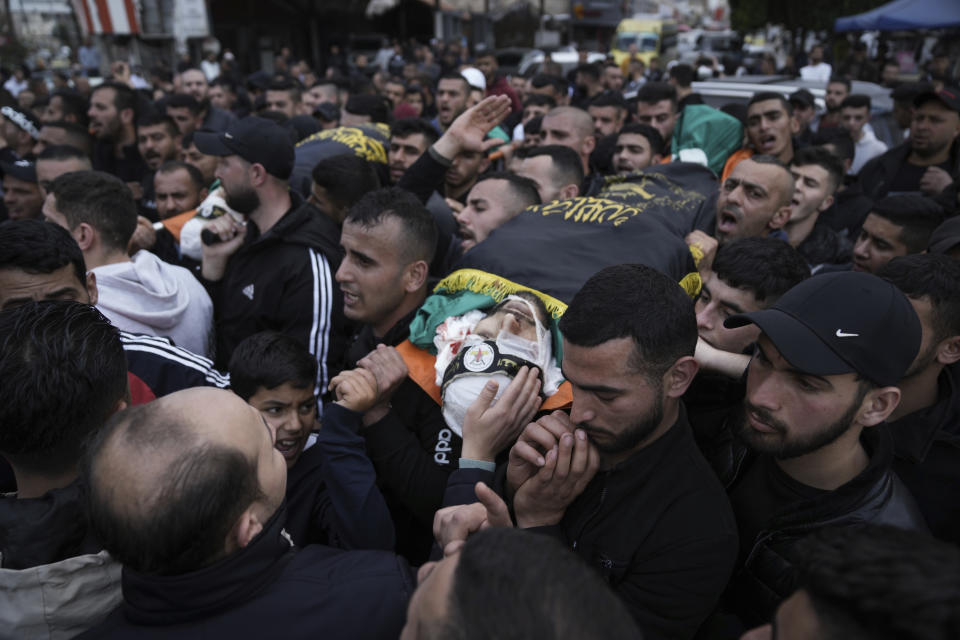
817 72
865 150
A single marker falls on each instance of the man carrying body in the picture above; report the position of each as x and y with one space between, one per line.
628 342
929 158
276 272
555 169
494 200
638 146
753 201
388 241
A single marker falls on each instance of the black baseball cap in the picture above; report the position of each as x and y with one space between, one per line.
838 323
950 96
23 169
802 97
254 139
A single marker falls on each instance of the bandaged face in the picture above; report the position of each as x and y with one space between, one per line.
513 335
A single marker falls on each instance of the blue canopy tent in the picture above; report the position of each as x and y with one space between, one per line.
904 15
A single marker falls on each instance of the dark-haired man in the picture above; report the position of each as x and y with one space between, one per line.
926 424
452 93
185 111
388 241
58 160
870 582
825 370
409 139
817 174
62 133
855 113
609 111
158 140
657 107
929 159
66 105
22 197
638 146
140 294
190 488
555 169
64 373
284 97
493 583
276 271
113 115
770 130
747 275
653 520
41 261
838 88
495 199
895 226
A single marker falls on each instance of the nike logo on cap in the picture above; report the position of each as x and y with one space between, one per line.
841 334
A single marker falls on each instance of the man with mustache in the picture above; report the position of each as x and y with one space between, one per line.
158 140
804 455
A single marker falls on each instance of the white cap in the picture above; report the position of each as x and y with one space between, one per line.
474 78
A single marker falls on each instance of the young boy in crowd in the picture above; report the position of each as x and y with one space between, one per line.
332 497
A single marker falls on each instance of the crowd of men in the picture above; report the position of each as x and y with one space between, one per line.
211 422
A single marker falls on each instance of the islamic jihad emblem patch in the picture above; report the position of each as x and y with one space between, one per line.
479 357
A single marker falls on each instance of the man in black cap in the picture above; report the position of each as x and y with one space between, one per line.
274 270
926 162
804 110
21 192
20 130
825 370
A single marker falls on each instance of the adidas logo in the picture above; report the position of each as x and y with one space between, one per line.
248 291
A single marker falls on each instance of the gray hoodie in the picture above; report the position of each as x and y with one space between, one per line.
147 295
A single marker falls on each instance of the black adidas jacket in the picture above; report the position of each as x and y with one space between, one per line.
283 281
